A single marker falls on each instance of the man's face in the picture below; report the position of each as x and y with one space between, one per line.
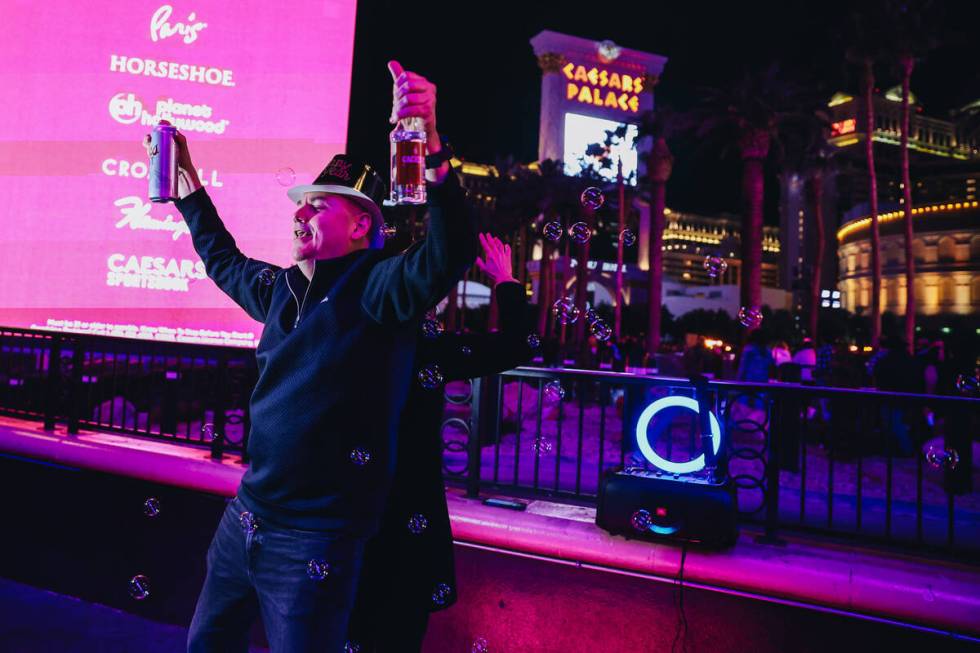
327 226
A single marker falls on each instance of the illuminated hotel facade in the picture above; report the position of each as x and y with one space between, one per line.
946 248
945 167
587 88
688 238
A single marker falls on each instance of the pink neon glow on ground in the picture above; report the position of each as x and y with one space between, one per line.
939 594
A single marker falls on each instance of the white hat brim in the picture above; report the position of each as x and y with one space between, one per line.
377 241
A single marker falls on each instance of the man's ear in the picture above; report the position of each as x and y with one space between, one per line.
360 226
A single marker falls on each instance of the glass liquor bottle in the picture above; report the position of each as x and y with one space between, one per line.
408 161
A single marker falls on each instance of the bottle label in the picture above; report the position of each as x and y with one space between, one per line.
409 163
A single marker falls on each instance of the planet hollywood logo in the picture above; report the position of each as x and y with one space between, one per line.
128 109
161 28
125 109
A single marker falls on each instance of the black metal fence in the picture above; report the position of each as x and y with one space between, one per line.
186 393
894 468
886 467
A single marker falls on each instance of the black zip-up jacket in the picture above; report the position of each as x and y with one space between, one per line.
335 362
402 567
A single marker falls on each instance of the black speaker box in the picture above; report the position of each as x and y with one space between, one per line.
644 505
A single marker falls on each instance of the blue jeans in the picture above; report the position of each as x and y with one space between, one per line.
266 572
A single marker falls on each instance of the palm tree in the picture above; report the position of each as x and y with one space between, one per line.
804 152
907 63
660 164
867 35
869 156
819 164
659 125
751 115
525 196
914 29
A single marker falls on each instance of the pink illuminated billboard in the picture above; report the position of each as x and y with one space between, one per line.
260 89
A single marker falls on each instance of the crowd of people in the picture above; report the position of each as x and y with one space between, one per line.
762 359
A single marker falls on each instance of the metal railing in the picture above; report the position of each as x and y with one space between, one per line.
893 468
195 394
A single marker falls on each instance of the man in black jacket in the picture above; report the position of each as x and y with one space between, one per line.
408 566
335 363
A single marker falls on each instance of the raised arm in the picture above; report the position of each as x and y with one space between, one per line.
467 355
243 279
403 287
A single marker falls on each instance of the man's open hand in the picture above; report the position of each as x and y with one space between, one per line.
496 261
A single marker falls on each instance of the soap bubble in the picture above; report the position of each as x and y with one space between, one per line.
247 520
139 587
565 310
601 330
592 198
591 316
967 384
580 232
352 647
432 328
286 176
360 456
641 520
533 341
946 459
480 646
466 350
267 277
552 231
151 507
541 445
207 431
750 317
388 230
430 377
553 391
441 594
317 569
417 524
628 237
715 266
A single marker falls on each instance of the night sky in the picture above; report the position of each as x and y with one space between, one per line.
488 80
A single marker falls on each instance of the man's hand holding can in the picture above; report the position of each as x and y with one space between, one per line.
187 178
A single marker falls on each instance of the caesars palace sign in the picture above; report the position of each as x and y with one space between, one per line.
600 87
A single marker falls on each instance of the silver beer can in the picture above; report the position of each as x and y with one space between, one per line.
163 164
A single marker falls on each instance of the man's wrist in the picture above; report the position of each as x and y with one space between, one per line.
433 145
187 182
497 282
433 142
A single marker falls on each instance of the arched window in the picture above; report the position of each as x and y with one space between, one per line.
919 250
947 249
